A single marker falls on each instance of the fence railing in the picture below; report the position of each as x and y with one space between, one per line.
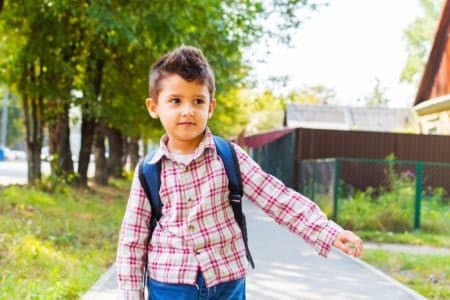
402 194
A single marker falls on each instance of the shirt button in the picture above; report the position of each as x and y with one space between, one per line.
186 168
197 251
191 228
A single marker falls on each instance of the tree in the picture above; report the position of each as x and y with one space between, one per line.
39 61
103 49
317 94
377 98
266 110
418 36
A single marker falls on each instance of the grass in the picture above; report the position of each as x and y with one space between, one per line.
428 274
409 238
55 246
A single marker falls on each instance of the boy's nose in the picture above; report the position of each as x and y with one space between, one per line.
188 110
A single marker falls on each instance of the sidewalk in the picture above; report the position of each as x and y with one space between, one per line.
288 269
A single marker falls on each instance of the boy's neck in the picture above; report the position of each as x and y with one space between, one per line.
183 147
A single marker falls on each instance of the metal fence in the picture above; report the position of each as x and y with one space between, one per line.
399 195
366 194
277 158
395 194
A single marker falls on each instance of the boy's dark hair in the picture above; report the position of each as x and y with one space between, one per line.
186 61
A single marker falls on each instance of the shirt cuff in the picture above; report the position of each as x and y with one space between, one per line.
131 295
327 238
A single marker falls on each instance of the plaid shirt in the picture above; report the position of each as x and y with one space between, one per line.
197 230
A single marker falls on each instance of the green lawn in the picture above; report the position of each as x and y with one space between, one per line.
428 274
407 238
55 246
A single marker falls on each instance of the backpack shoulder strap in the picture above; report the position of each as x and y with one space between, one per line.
226 152
150 178
228 155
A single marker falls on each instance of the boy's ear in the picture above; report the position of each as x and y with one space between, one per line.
152 108
212 106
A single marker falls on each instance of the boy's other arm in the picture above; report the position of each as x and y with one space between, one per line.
290 209
132 248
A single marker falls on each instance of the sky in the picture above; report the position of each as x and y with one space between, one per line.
346 46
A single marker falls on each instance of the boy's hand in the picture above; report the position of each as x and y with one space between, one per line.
349 243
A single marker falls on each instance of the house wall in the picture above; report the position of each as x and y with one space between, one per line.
436 123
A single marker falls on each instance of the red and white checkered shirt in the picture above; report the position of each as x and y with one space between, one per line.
197 230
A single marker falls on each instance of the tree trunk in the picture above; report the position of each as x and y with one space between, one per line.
33 118
88 126
133 152
64 151
59 143
94 71
32 108
101 170
116 151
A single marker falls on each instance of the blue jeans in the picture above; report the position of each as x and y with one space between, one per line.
231 290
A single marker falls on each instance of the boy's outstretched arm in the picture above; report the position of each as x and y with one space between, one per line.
349 243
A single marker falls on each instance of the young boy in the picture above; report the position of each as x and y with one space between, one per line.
197 247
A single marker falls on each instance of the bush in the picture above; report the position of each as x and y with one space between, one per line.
392 208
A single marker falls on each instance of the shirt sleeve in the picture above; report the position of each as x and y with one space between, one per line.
133 237
287 207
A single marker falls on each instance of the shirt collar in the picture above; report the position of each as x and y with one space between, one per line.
206 143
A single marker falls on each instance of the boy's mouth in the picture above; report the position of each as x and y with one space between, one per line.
186 123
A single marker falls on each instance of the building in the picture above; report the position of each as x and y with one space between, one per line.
380 119
432 103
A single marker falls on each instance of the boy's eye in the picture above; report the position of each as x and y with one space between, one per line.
174 100
199 101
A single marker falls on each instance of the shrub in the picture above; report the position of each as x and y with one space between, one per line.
392 208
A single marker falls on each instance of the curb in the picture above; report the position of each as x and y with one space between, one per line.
377 271
105 288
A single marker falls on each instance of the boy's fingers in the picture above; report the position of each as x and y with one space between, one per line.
349 243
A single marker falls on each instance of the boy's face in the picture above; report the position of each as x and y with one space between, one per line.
184 108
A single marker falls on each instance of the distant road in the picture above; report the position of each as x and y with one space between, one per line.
15 171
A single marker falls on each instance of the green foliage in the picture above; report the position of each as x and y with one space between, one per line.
419 37
318 94
266 110
427 274
55 246
231 114
392 208
377 98
101 51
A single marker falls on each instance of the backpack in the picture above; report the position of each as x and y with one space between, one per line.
150 178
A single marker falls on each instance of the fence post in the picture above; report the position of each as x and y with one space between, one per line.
337 171
313 185
419 188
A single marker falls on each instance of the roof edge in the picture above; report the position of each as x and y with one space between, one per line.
433 105
435 56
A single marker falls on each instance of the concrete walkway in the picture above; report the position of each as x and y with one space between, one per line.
288 269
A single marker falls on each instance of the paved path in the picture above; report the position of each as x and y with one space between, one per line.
288 269
15 171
